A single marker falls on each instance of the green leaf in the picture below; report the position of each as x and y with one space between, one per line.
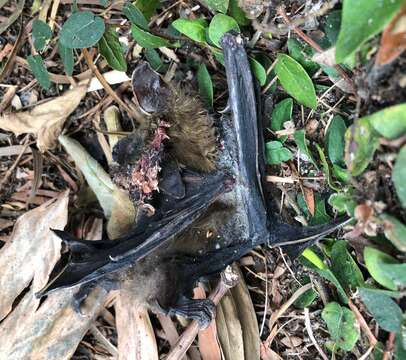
147 7
326 168
110 47
344 267
302 55
281 113
276 153
395 231
341 174
343 202
385 311
146 39
320 214
399 176
154 59
135 16
218 5
237 13
103 2
332 26
38 69
341 324
306 299
219 25
194 29
68 60
41 33
361 141
390 122
374 261
396 272
82 30
314 259
295 81
360 20
400 349
335 140
300 140
205 85
258 71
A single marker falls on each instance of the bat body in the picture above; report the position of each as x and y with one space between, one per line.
211 208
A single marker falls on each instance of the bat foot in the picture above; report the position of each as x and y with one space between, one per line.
201 310
80 296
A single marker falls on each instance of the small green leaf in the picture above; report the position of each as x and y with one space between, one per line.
147 7
311 256
281 113
68 60
41 33
341 174
110 47
335 140
344 267
332 26
399 176
374 261
38 69
343 202
342 325
390 122
237 13
82 30
135 16
218 5
276 153
361 141
302 55
306 299
258 71
362 19
395 231
195 29
326 168
146 39
205 85
219 25
301 143
385 311
295 81
154 59
320 215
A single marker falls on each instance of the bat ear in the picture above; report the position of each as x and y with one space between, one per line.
64 236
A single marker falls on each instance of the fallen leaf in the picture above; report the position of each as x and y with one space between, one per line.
292 341
269 354
309 198
44 120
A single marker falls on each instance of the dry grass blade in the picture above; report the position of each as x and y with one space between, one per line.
13 17
44 120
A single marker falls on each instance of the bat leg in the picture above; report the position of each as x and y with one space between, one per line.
201 310
81 295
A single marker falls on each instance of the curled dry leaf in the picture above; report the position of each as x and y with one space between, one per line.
44 120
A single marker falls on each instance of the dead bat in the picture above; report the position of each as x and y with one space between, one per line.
211 208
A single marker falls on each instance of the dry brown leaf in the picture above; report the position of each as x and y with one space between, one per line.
292 341
393 41
309 198
136 339
44 120
269 354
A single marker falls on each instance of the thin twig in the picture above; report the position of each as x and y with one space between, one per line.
311 336
362 323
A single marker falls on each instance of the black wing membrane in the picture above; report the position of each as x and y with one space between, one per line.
92 260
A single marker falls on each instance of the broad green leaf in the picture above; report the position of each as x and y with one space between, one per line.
194 29
147 7
361 141
237 13
135 16
276 153
219 25
146 39
343 202
331 26
258 71
342 325
374 261
82 30
360 20
117 207
385 311
218 5
205 85
296 81
41 33
335 140
399 176
397 272
395 231
302 55
68 60
344 267
281 113
39 70
301 143
110 47
390 122
154 59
